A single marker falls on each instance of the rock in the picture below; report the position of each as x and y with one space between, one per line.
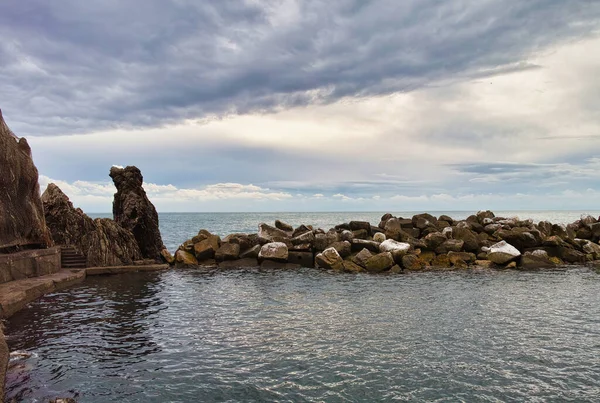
351 267
207 246
360 244
434 240
483 215
277 251
537 259
591 248
485 264
284 227
511 265
304 259
330 259
471 244
396 269
442 224
227 251
347 235
301 230
380 262
360 225
102 241
423 220
244 240
22 222
584 233
379 237
361 234
321 242
594 229
133 211
491 228
183 258
4 354
384 219
397 249
270 234
441 261
570 255
251 253
560 230
305 238
344 248
520 238
545 227
361 257
167 257
502 253
395 229
413 263
450 245
456 257
446 218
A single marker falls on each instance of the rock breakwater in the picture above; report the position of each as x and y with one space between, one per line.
397 244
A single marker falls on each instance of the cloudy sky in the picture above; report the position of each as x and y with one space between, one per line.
310 105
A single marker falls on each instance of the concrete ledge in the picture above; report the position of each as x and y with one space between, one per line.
99 271
29 263
15 295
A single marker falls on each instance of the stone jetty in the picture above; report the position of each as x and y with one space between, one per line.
397 244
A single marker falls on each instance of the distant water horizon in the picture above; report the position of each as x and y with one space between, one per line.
178 227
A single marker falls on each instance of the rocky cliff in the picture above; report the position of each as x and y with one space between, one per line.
133 211
102 241
22 222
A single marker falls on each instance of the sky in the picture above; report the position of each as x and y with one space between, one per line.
312 105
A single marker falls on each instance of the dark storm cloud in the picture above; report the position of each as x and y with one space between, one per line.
76 67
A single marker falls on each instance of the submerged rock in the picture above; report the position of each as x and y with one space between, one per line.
133 211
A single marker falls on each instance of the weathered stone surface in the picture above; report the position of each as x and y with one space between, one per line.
446 218
520 238
244 240
456 257
471 244
102 241
434 240
301 230
351 267
441 261
395 229
227 251
591 248
360 244
183 258
321 242
22 221
361 257
360 234
251 253
502 253
269 233
397 249
304 259
133 210
413 263
380 262
206 245
537 259
360 225
347 235
167 257
484 264
344 248
277 251
450 245
284 226
330 259
379 237
305 238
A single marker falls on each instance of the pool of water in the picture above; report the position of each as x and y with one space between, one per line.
310 335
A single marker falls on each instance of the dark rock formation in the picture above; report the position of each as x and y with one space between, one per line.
102 241
133 211
22 222
3 362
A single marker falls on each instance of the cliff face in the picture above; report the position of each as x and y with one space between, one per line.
133 211
102 241
22 221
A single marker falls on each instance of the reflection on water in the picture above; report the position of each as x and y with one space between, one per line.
310 335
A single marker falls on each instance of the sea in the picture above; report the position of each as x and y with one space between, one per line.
310 335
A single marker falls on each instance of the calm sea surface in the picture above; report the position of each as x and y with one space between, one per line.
310 335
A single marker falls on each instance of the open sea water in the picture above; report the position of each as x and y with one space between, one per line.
311 335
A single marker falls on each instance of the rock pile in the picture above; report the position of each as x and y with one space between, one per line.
399 244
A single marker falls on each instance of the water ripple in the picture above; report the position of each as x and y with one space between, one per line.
308 335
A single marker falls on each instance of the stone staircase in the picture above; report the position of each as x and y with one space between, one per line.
71 259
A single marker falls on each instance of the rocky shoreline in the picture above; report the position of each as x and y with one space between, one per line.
397 245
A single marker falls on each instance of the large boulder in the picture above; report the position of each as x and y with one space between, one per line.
502 253
22 222
330 259
102 241
537 259
380 262
276 251
269 233
133 211
397 249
